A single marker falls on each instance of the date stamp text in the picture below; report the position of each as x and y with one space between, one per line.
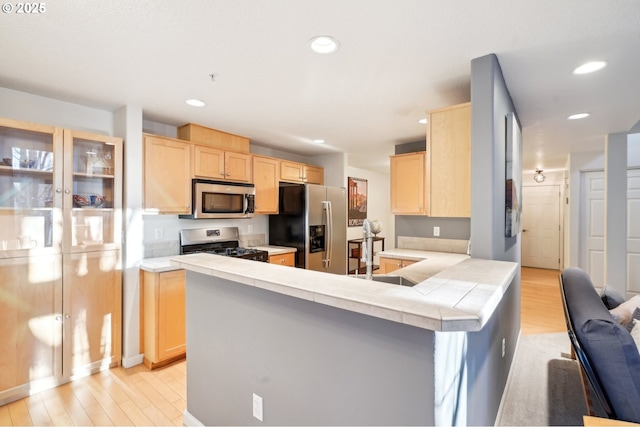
24 8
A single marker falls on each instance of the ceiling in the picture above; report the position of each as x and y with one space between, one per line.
397 59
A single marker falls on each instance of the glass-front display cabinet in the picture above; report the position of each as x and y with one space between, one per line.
93 174
30 212
60 190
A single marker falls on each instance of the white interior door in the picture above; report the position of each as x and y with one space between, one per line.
592 225
541 226
633 230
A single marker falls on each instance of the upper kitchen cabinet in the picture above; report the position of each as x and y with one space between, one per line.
213 138
408 180
449 161
266 172
436 182
93 190
167 172
299 172
213 163
30 169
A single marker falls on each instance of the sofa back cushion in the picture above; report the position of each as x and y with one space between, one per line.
608 347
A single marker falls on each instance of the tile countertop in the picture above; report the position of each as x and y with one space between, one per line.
462 297
161 264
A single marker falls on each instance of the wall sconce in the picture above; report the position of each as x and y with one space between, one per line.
538 177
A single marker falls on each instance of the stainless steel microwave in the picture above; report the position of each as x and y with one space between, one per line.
220 199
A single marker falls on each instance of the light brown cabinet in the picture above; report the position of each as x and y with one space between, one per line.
167 173
266 172
299 172
213 138
283 259
408 183
387 265
449 161
164 319
436 182
221 165
60 264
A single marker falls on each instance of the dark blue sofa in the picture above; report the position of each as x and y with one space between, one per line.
606 352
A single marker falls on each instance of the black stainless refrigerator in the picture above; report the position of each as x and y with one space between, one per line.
313 219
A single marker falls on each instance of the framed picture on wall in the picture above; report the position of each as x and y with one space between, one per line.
513 176
357 200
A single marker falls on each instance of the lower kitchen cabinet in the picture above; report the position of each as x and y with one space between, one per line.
164 320
283 259
30 325
60 318
387 265
92 307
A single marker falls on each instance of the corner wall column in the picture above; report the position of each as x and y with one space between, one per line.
128 125
615 197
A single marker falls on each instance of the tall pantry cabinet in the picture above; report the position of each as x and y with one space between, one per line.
60 263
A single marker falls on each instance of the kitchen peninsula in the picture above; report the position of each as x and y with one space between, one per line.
327 349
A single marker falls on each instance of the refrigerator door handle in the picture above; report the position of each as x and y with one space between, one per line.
329 237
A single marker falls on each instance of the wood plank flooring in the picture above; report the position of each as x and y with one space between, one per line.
138 396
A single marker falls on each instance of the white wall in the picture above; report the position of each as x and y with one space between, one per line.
378 204
47 111
577 163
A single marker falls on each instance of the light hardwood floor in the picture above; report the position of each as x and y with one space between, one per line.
137 396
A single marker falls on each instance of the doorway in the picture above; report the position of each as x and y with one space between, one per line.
541 226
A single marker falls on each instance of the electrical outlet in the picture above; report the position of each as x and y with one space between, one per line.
159 234
257 406
250 228
504 346
436 231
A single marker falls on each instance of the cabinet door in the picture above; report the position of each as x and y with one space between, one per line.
266 172
290 171
30 189
208 162
92 192
313 174
167 173
238 167
449 160
172 339
408 184
92 311
387 265
30 323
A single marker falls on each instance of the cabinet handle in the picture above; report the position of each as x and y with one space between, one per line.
58 190
67 191
282 261
228 174
58 318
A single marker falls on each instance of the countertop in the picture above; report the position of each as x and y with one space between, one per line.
461 296
162 264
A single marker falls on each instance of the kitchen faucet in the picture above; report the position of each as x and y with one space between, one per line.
367 249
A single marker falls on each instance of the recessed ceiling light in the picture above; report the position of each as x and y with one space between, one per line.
195 102
423 121
578 116
318 141
324 44
590 67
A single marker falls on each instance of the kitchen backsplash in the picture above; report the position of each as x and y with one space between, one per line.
433 244
172 247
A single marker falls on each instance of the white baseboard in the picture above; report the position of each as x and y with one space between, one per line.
130 362
190 420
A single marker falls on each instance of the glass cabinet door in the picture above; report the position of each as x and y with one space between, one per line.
93 192
30 171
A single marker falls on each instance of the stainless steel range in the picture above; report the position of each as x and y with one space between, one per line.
219 241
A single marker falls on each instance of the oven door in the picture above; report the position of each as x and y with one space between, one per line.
215 199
